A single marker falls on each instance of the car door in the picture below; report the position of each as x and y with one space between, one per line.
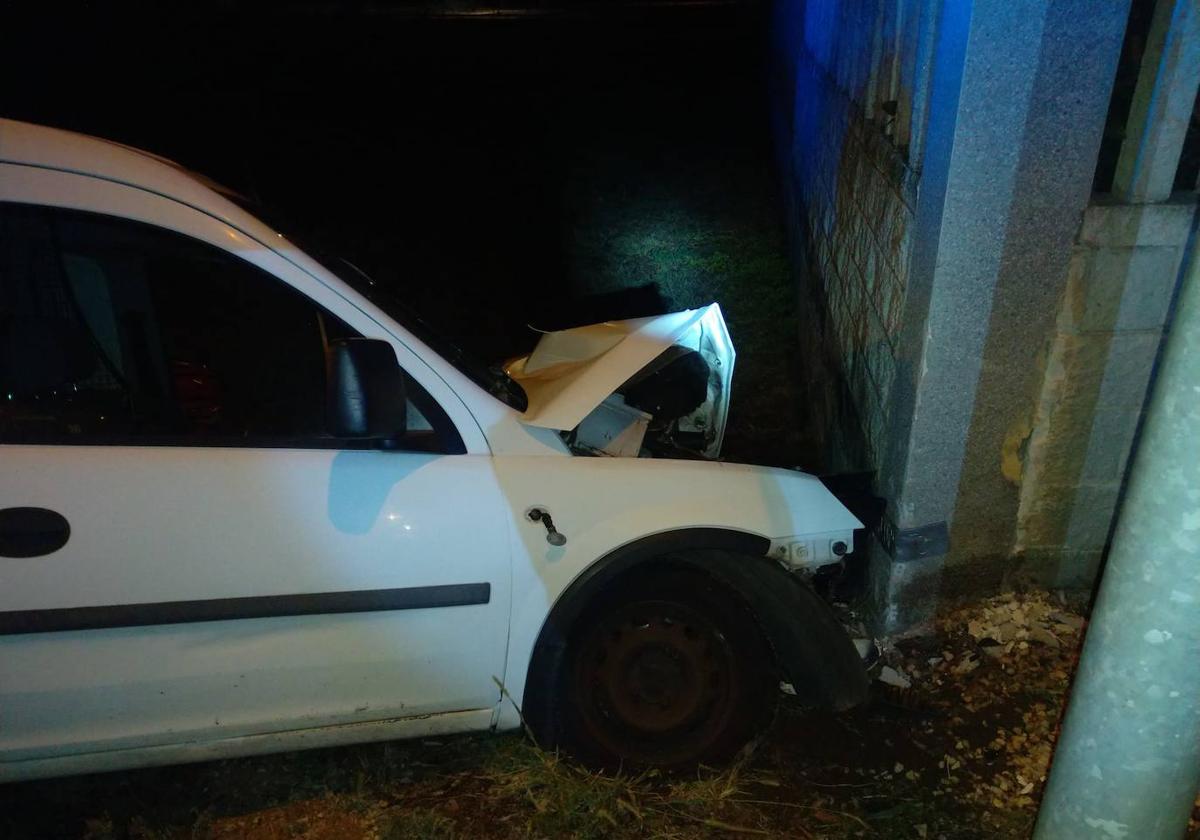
185 554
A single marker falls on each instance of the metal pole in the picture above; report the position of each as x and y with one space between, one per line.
1128 760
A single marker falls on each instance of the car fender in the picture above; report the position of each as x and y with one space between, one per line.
811 648
617 513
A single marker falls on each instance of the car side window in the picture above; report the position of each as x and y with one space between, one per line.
114 331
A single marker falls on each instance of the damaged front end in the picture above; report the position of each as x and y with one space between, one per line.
645 387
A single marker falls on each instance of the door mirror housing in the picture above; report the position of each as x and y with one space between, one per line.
365 396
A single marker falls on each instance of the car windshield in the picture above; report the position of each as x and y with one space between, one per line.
491 378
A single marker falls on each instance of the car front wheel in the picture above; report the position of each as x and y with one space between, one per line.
666 669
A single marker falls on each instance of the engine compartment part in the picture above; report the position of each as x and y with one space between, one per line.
673 370
613 428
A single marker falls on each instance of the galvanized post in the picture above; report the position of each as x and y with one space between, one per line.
1128 760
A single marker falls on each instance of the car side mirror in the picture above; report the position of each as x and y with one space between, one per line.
365 396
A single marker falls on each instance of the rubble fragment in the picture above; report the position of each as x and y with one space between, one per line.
989 654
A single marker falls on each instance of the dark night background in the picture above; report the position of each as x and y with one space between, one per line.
585 162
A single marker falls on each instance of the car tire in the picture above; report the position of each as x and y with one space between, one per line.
665 668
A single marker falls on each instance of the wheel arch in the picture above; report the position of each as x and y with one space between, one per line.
810 646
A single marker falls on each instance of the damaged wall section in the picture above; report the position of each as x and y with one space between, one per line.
1124 271
1098 367
937 158
849 86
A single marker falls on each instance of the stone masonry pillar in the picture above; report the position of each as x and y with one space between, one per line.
1017 104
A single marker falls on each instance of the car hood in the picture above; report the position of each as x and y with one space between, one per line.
571 372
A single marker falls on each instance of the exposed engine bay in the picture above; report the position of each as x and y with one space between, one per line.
648 387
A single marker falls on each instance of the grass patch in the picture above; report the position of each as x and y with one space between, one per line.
543 794
416 824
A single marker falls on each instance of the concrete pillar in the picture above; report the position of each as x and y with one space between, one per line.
1162 104
1128 760
1017 101
1110 325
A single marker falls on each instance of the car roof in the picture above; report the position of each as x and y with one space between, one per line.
53 148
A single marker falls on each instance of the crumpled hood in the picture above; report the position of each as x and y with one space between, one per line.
571 372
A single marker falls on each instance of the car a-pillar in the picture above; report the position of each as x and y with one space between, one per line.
670 650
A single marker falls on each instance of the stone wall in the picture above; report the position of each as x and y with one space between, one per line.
846 88
857 230
1110 322
1098 365
936 254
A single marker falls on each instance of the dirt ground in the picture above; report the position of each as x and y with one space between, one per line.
960 753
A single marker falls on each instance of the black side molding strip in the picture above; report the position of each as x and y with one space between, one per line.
16 622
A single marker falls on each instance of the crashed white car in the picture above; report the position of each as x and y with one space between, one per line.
245 508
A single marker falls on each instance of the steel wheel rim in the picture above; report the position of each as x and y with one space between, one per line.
655 677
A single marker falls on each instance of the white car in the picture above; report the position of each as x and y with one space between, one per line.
245 508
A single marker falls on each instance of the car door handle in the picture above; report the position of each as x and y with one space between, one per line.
32 531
